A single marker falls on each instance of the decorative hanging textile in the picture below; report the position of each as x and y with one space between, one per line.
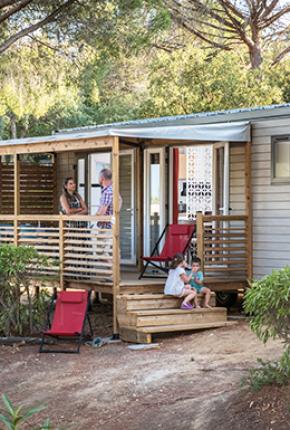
198 180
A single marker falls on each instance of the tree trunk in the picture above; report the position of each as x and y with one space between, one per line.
13 127
255 47
256 57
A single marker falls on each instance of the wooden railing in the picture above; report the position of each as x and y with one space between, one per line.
224 246
78 248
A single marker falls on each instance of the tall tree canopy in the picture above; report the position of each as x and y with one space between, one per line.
68 63
23 17
223 24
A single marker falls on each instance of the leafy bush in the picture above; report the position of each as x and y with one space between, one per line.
268 303
269 373
15 417
20 312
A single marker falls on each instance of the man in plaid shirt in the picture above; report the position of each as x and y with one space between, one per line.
106 200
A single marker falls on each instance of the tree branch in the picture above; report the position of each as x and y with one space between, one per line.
34 27
20 5
280 56
233 8
4 3
275 17
268 9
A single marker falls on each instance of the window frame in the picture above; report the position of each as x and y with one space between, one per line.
274 140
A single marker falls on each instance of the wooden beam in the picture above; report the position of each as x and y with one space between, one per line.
249 222
61 253
16 196
139 204
116 230
199 237
58 146
55 198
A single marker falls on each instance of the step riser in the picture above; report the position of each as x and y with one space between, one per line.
164 303
142 289
181 318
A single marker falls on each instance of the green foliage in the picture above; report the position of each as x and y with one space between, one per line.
20 312
123 60
268 303
33 81
195 80
16 418
269 373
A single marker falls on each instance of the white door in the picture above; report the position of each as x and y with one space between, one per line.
99 161
81 177
128 209
221 173
154 197
96 162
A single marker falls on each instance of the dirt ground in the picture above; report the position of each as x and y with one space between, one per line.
191 381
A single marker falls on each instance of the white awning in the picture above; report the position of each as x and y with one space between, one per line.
220 132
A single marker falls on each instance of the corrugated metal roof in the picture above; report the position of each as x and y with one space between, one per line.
195 118
203 118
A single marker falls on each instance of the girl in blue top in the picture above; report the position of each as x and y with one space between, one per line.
196 282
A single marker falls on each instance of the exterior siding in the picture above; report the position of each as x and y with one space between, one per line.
237 179
271 202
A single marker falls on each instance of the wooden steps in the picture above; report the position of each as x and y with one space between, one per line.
162 317
152 301
141 315
144 334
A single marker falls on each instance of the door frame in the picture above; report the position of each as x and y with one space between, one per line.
133 259
226 172
147 153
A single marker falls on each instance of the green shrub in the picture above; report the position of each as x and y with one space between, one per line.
16 416
268 303
21 313
269 373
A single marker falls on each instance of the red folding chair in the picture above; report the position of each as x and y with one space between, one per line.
69 319
177 240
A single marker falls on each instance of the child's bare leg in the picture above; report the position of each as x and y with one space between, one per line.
206 291
190 294
196 302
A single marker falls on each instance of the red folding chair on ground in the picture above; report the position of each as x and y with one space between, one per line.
177 240
69 319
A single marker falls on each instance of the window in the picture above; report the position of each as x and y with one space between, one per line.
281 159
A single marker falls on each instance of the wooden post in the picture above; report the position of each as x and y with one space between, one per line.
116 230
55 196
61 253
249 221
199 236
139 206
16 196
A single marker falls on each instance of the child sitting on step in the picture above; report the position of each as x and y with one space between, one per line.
177 282
196 281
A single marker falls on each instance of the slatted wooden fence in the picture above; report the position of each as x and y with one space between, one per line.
222 245
78 248
37 188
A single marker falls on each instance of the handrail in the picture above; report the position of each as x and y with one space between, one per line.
207 218
103 218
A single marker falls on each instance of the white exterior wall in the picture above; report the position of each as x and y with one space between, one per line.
237 179
271 202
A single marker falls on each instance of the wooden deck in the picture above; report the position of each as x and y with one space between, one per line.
83 257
